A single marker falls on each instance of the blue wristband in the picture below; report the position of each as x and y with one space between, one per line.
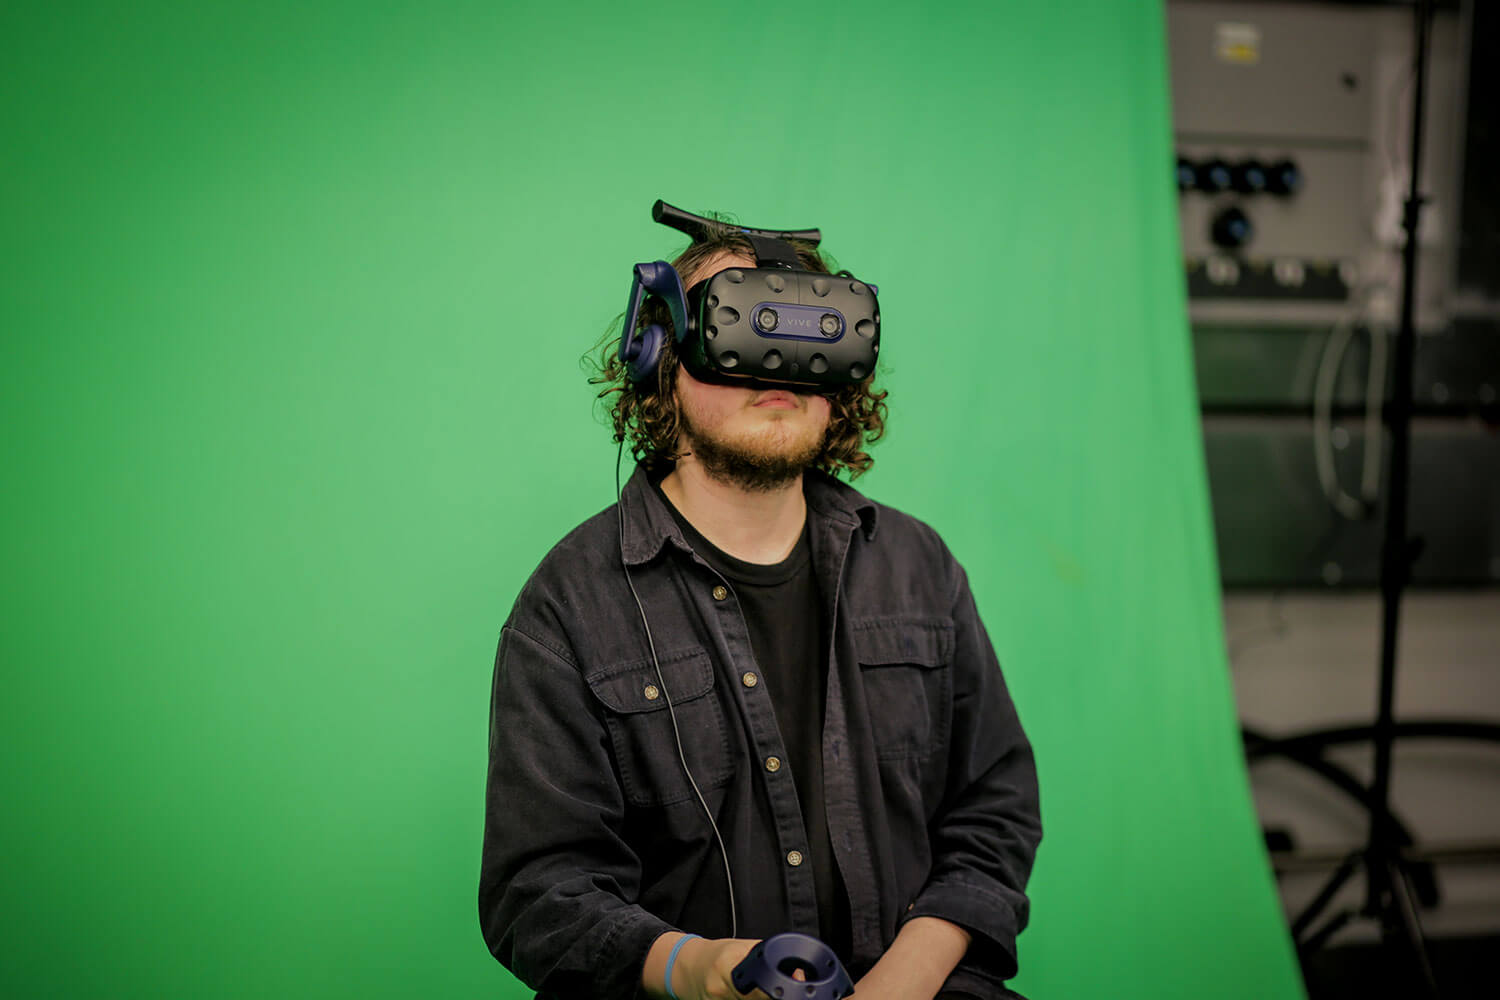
671 958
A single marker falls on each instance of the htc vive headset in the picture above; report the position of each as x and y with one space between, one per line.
772 326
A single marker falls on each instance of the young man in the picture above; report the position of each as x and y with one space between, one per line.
814 734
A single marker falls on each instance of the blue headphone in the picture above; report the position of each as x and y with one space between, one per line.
640 350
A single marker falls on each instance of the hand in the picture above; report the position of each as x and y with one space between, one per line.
703 967
702 970
914 967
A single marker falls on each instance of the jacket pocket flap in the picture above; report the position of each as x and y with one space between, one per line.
634 686
922 641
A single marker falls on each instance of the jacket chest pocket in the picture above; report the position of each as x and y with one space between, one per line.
905 665
640 726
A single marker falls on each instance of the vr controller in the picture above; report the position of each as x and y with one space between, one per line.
773 325
772 963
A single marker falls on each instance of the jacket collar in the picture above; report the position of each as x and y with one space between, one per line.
649 525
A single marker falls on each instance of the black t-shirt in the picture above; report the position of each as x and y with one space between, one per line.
784 613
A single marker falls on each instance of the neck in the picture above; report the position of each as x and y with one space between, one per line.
757 527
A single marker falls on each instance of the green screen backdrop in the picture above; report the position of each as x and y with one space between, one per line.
293 301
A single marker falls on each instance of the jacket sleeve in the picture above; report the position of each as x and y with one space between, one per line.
985 833
557 880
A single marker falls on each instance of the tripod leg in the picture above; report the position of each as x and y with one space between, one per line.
1319 938
1324 896
1405 920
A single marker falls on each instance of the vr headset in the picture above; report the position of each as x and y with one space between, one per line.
771 326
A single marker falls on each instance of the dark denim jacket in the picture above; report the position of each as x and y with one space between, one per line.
594 843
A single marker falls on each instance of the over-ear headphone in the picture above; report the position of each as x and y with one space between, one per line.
640 350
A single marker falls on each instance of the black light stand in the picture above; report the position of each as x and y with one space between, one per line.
1390 897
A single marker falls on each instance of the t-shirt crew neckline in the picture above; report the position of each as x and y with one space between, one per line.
755 574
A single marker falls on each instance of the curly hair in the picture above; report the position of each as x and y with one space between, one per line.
648 414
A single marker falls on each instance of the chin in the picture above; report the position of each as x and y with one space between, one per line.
780 440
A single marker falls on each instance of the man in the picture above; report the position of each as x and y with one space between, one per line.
794 721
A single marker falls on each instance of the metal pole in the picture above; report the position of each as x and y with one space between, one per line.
1383 856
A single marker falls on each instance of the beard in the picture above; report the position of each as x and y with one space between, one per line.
761 463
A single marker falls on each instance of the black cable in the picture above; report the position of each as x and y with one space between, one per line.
661 682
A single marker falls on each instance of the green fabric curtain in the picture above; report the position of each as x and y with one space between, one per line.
294 297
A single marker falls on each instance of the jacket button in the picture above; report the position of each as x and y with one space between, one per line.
749 679
794 858
721 592
652 692
773 764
